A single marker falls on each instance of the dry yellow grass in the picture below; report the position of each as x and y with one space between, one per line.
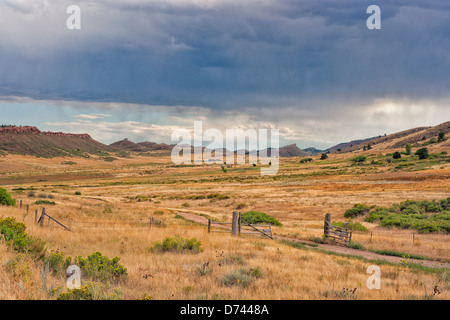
107 217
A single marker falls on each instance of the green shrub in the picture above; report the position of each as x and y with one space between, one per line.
93 291
408 148
323 156
177 244
218 196
52 203
242 277
396 155
15 235
317 239
77 193
305 160
358 159
6 199
351 225
377 214
356 245
256 217
99 267
422 153
357 210
241 206
57 262
82 293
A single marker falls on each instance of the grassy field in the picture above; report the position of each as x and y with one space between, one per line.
108 204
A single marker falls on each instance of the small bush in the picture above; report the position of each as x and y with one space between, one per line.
241 206
177 244
82 293
57 262
242 277
422 153
305 160
218 196
15 235
408 148
99 267
51 203
356 245
358 159
317 239
93 291
396 155
255 217
323 156
6 199
357 210
77 193
351 225
377 214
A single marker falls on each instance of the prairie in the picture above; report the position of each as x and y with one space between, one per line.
108 205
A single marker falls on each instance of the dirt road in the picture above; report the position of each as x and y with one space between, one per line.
336 248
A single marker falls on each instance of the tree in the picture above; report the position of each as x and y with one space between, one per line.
441 136
396 155
357 159
408 148
5 198
323 156
422 153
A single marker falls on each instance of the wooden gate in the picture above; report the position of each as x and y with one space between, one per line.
240 226
337 233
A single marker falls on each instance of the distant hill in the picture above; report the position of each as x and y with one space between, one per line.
29 140
292 151
416 137
313 151
127 145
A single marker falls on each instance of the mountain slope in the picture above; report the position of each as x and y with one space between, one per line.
31 141
415 136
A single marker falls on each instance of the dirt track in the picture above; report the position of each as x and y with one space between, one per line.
336 248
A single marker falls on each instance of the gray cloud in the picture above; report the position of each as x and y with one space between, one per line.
269 60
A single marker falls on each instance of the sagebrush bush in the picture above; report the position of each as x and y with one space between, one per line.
6 199
99 267
255 217
14 234
242 277
357 210
358 159
424 216
177 244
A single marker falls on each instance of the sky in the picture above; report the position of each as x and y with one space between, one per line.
141 69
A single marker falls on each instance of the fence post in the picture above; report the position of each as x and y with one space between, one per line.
327 223
240 224
209 225
20 204
235 224
41 219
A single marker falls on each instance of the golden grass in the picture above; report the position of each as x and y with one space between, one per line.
107 217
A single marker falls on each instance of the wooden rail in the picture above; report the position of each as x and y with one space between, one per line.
239 226
335 232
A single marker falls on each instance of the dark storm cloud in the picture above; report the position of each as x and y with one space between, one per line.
223 54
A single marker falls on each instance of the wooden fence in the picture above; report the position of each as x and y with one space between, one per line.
239 226
341 234
42 217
